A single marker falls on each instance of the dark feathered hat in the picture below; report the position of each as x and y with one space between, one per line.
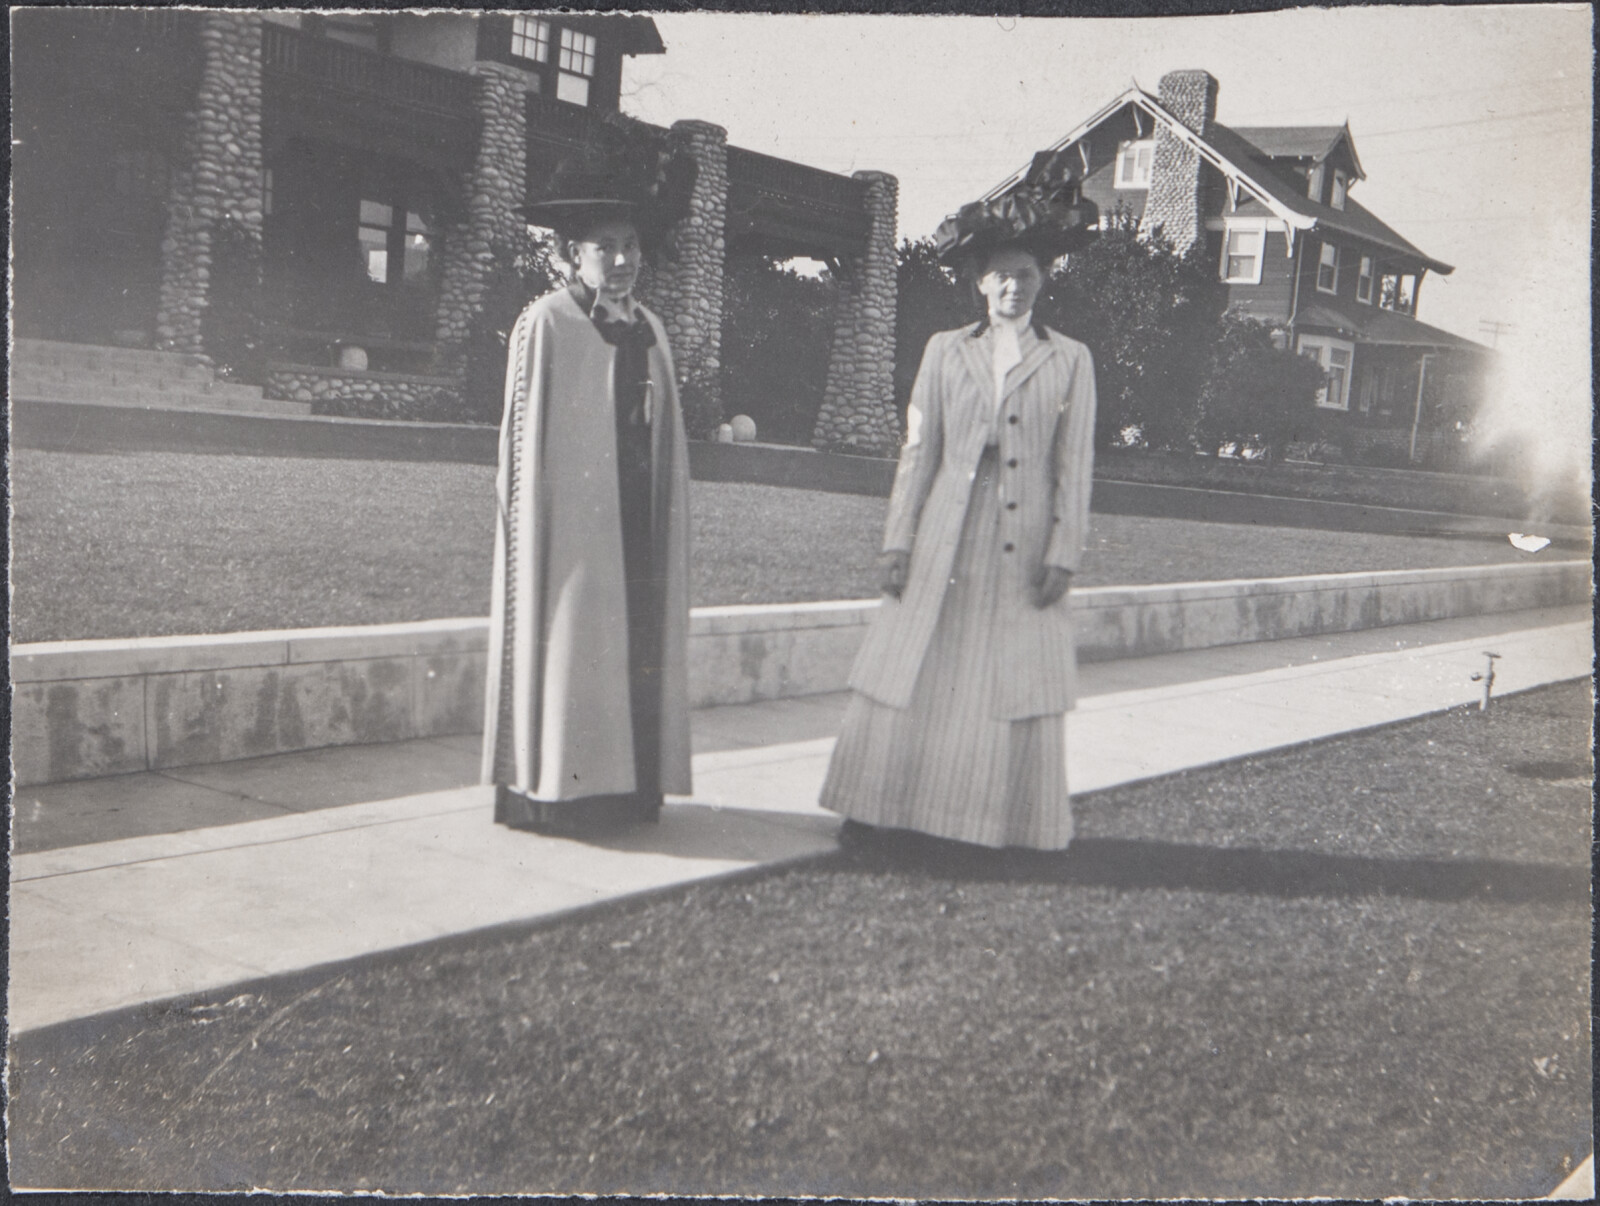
623 169
1045 213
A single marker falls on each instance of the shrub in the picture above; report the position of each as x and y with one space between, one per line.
429 404
231 327
1254 392
700 395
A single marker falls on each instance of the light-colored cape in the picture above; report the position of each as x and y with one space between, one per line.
557 723
1045 424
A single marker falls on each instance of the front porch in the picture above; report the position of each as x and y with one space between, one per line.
1399 393
303 212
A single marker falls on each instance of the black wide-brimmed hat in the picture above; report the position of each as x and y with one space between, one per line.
623 170
1044 213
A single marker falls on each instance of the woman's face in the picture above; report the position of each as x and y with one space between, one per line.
1010 282
607 258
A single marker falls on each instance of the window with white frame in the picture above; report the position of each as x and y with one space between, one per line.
1341 187
1336 358
1135 161
1244 246
576 63
1328 269
1364 281
530 38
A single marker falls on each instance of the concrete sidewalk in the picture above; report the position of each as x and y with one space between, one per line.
280 865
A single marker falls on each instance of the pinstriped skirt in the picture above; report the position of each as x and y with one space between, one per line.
944 766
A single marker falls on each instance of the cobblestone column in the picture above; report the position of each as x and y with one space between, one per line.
687 290
495 185
858 410
218 177
1174 202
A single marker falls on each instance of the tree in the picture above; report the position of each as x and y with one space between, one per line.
1149 316
1254 392
930 299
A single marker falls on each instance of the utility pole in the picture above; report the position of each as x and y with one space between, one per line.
1494 329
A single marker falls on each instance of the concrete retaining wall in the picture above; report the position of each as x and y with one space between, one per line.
82 709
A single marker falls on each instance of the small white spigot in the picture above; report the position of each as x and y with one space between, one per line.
1487 679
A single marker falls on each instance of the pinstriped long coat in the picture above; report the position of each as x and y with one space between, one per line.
558 723
1045 425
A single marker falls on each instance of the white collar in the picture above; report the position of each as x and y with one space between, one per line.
620 310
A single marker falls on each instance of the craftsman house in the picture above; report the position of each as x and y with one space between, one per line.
1274 208
340 183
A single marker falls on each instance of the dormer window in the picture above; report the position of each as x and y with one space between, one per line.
1134 163
530 38
576 65
1328 269
1314 183
1341 186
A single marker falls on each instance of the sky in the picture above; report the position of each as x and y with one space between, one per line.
1472 123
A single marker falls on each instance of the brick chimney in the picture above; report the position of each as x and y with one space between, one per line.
1174 202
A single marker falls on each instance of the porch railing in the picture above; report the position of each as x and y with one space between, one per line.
558 122
353 69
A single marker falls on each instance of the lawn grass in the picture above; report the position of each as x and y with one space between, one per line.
1357 969
154 544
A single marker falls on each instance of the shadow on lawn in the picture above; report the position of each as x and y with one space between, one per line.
1133 864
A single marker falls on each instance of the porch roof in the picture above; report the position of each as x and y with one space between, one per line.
1385 328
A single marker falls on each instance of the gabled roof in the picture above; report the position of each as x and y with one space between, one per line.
1354 219
1377 326
1250 167
1315 143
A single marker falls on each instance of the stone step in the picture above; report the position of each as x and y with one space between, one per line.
195 376
93 389
242 399
96 357
44 370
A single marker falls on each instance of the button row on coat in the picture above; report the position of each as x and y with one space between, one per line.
1011 506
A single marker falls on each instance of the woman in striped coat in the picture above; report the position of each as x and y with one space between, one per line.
957 727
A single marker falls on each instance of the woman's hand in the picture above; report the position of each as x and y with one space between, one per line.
1050 585
893 567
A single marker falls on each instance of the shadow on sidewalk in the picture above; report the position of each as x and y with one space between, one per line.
1136 863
